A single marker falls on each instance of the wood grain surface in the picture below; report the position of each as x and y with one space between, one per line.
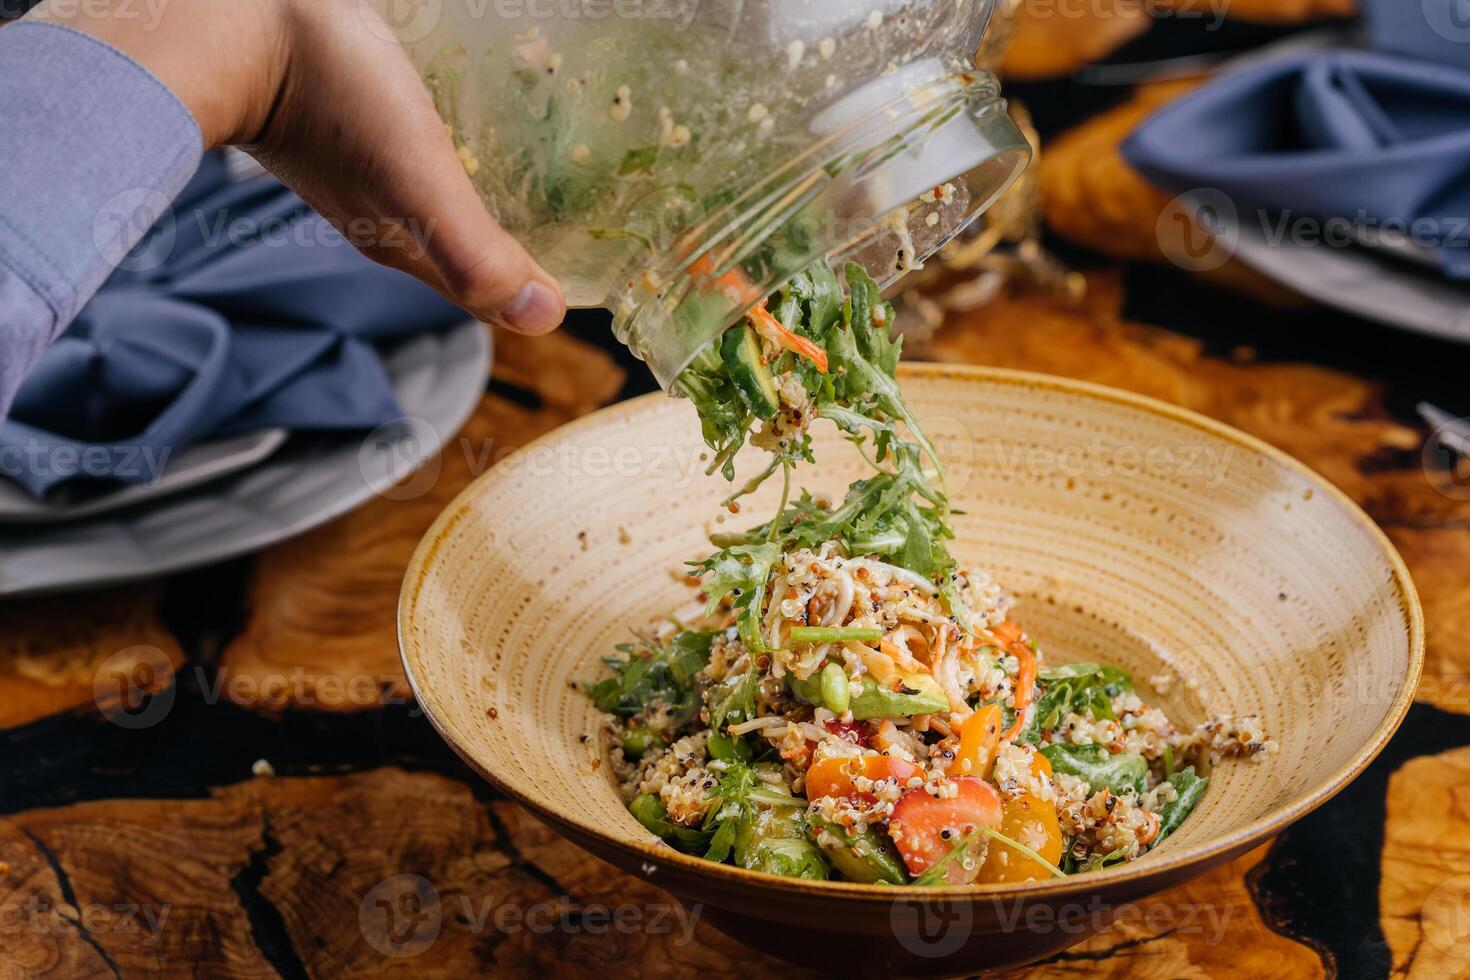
1055 38
1425 892
321 632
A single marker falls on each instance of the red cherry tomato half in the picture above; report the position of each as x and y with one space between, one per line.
927 828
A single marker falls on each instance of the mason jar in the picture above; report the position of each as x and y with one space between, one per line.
677 160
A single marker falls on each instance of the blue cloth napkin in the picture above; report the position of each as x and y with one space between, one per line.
242 309
1380 139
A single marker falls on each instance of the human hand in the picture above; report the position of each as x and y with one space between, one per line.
321 95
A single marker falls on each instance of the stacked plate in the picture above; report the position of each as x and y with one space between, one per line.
1383 277
225 498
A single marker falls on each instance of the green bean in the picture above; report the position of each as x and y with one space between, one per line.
835 692
638 740
834 634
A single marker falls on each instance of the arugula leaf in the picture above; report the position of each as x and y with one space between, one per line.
1124 772
863 359
650 673
872 337
724 419
740 572
938 872
638 160
1191 789
898 513
732 700
1080 688
650 812
1099 861
760 826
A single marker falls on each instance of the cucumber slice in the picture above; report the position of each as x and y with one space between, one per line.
867 858
741 350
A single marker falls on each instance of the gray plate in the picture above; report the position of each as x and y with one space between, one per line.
190 468
438 379
1377 284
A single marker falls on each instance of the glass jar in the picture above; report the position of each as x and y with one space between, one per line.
677 160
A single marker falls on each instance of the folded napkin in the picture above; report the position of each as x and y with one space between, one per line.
241 310
1382 140
1425 30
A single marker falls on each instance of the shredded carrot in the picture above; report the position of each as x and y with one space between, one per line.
886 737
733 283
1025 690
1152 833
1007 632
773 330
739 289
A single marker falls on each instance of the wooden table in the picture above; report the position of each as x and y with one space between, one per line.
244 817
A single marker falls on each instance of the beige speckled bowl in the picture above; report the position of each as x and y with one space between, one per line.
1130 531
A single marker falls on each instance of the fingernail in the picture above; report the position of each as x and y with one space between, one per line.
536 309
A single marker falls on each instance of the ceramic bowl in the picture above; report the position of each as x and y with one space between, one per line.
1228 578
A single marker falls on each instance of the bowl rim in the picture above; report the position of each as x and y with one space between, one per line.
1202 855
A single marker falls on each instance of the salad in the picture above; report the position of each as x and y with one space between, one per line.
845 701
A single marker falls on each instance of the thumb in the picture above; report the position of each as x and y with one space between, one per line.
479 265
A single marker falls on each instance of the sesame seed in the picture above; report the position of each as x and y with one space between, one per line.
467 160
622 104
794 52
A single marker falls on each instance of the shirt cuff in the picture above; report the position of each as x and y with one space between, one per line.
93 148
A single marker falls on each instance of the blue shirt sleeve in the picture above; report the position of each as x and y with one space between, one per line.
93 148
